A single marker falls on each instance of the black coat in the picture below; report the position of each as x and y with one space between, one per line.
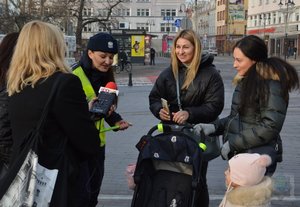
204 99
5 130
68 121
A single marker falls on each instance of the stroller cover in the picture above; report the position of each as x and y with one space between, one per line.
161 185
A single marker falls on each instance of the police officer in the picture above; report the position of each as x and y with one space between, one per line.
94 70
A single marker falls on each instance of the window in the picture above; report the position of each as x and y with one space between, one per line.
87 28
142 26
102 12
168 12
87 12
123 12
142 12
167 27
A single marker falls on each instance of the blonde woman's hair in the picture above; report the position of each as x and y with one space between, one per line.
39 53
192 69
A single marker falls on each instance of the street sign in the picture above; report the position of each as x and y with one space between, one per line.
168 18
186 23
177 23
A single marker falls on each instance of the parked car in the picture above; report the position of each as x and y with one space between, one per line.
212 51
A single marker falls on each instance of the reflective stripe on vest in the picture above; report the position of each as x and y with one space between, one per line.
90 94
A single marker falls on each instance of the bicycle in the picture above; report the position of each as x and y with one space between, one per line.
118 68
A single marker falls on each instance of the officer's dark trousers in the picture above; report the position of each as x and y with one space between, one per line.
91 176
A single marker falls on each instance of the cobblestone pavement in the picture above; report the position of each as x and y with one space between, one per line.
133 106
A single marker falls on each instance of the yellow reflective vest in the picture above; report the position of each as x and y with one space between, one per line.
90 94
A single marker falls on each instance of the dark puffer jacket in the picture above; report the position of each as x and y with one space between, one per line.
259 127
204 99
5 130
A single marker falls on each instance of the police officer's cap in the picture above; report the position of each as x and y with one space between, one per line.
103 42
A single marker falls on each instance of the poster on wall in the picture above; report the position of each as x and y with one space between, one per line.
137 46
236 10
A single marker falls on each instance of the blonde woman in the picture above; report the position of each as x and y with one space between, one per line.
200 86
37 63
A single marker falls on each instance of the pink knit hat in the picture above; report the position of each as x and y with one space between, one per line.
248 169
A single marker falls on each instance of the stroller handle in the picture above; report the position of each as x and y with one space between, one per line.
161 127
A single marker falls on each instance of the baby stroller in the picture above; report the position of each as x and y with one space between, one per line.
168 169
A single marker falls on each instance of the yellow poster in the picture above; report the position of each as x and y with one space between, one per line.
137 46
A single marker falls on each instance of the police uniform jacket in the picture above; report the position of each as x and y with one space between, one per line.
97 79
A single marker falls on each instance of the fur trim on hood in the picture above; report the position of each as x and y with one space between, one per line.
254 196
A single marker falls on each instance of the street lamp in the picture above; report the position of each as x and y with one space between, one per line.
264 18
288 9
150 22
168 28
184 10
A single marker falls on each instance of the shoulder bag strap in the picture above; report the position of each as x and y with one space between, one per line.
41 122
178 92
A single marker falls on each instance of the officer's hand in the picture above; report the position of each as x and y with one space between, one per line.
91 103
123 124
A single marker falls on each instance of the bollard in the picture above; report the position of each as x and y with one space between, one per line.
130 79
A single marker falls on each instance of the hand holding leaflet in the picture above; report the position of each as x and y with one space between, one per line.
112 128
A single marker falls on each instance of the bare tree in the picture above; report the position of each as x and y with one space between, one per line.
84 20
67 14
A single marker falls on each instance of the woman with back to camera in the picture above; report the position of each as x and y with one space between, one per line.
36 65
6 51
201 91
259 103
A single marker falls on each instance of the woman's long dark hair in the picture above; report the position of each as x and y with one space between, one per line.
255 84
6 51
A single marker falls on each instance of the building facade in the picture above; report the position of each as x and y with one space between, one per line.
230 23
278 23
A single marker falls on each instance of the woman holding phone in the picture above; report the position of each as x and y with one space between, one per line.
200 90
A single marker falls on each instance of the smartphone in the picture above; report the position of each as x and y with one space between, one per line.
165 105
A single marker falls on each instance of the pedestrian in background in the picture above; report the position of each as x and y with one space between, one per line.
246 182
94 70
201 91
259 103
123 59
7 46
70 136
152 56
295 52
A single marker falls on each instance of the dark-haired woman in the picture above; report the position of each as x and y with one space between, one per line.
6 51
259 102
